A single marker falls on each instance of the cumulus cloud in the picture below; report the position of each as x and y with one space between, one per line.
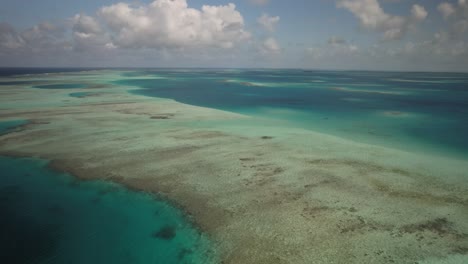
446 9
163 30
172 24
372 16
89 35
44 36
418 12
162 25
268 22
457 15
9 38
269 47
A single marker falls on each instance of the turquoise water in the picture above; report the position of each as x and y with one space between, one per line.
7 126
423 112
61 86
80 94
49 217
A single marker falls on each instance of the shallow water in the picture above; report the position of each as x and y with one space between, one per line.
423 112
49 217
7 126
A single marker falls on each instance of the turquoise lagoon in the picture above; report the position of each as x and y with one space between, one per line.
50 217
416 112
58 219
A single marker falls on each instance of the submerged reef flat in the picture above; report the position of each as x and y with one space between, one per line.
263 193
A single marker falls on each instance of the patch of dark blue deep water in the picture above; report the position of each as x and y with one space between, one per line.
80 94
49 217
427 111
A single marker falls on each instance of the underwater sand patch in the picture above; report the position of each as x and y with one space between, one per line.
244 83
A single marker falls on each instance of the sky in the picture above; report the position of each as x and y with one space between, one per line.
395 35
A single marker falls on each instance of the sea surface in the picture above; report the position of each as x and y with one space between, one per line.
416 112
50 217
55 218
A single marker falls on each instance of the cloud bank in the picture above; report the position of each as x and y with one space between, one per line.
170 33
171 24
372 16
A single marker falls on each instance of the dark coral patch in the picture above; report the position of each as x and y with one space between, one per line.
56 209
440 226
183 253
160 117
167 233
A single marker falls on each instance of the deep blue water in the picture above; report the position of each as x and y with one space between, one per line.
424 111
50 217
80 94
6 72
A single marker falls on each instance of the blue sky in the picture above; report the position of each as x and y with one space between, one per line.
321 34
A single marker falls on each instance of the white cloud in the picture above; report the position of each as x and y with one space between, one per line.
457 16
9 38
269 47
89 35
446 9
418 12
373 17
42 37
171 24
268 22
